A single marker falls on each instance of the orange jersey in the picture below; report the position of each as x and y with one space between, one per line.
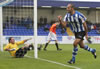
53 28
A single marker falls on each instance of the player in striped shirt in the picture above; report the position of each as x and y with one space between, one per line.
77 22
52 36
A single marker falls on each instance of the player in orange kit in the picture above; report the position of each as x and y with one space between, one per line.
52 35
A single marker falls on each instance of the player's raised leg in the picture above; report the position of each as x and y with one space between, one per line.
86 47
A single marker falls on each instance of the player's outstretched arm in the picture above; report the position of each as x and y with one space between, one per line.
27 39
13 49
61 22
6 48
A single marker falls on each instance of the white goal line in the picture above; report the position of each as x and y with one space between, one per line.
65 65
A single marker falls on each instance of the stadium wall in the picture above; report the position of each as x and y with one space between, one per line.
43 39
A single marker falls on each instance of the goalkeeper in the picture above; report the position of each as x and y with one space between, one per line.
13 49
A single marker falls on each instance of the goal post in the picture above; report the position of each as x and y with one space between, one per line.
1 29
35 29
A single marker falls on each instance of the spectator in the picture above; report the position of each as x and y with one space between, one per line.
98 31
41 20
45 20
12 20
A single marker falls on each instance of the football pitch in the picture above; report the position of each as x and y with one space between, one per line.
53 59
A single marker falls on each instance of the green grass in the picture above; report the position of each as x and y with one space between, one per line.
84 59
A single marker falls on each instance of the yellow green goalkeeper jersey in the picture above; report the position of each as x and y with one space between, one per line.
11 46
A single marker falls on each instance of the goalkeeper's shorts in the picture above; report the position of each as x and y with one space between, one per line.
20 53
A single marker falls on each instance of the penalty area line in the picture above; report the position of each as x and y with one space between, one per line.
65 65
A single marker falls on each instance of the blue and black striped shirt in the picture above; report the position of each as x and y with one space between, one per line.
75 21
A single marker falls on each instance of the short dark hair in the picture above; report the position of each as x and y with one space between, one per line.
72 5
9 39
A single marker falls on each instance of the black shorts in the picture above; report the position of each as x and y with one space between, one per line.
80 35
20 53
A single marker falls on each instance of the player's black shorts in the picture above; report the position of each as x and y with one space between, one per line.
20 53
80 35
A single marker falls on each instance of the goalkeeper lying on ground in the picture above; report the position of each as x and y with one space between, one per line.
13 49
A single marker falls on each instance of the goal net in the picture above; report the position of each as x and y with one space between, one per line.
17 20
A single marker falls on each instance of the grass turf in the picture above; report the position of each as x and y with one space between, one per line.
84 59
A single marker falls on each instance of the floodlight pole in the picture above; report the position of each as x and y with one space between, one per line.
35 29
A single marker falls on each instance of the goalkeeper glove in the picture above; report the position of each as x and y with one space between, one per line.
13 49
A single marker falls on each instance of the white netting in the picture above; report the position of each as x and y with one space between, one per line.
18 18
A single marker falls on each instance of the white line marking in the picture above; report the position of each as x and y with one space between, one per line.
56 63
